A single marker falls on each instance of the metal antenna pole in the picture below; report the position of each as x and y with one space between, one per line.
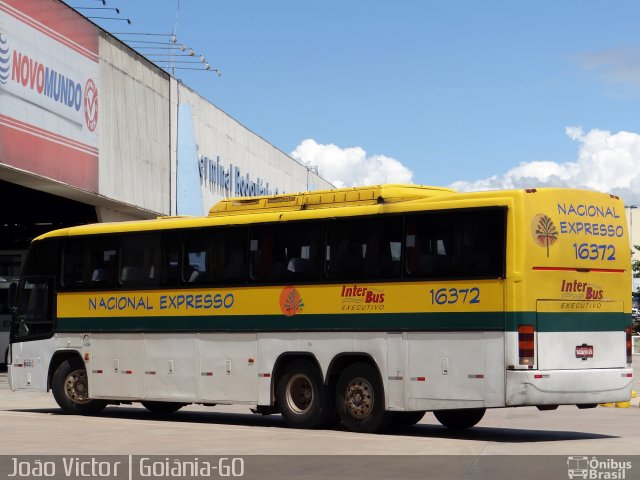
175 33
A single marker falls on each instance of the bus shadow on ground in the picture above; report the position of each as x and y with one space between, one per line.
479 433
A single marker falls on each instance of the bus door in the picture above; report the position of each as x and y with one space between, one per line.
33 320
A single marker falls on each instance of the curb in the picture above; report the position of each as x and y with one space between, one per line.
622 404
617 405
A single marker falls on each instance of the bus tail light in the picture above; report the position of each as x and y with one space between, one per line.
628 331
526 344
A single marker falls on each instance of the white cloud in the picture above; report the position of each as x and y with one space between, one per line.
606 162
349 167
619 65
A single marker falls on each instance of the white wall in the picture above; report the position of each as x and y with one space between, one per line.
139 137
134 137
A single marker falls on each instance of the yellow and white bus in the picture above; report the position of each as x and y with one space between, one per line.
365 305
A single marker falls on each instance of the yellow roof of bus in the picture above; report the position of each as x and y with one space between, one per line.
342 202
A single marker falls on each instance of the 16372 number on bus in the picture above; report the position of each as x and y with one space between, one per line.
454 295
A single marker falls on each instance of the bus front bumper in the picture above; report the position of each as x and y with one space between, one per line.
568 387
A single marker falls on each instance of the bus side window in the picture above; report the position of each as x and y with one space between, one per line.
383 259
169 273
285 253
266 259
234 265
364 248
214 256
89 263
302 242
72 264
482 243
456 244
346 249
428 245
231 265
140 260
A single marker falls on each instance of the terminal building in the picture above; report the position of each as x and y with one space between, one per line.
91 131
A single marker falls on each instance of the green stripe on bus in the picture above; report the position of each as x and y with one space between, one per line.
582 322
569 322
478 321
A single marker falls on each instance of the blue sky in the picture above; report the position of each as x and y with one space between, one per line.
475 94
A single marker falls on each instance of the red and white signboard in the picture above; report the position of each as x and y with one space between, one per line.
49 91
584 351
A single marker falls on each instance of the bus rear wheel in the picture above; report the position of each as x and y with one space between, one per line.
460 419
70 387
360 399
302 396
163 408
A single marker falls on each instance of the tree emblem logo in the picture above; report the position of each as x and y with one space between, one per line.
545 232
291 301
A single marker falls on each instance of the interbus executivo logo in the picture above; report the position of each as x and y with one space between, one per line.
5 56
355 297
597 469
544 230
574 290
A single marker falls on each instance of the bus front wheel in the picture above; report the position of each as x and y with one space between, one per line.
70 387
460 419
360 399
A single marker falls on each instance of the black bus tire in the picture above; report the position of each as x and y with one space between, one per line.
70 387
360 399
460 418
407 419
162 408
302 396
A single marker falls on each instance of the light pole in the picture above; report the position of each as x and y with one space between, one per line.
631 208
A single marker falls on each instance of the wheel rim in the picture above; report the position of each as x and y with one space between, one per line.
76 387
299 393
359 398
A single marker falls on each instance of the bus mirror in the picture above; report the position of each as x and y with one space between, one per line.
13 293
23 330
